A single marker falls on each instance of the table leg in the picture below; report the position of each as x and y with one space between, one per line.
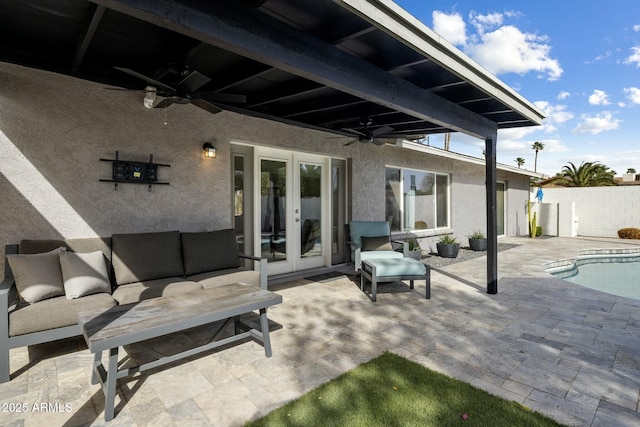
97 361
110 385
264 325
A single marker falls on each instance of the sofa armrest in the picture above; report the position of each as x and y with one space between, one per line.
5 289
262 269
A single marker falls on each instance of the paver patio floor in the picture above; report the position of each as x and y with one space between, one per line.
558 348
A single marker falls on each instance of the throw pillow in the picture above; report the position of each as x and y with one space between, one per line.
37 276
84 274
376 243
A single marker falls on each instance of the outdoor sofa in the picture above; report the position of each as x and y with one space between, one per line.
48 282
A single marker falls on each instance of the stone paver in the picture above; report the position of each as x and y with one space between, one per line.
555 347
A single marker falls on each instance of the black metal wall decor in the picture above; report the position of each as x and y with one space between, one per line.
133 172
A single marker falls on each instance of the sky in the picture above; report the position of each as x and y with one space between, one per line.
577 61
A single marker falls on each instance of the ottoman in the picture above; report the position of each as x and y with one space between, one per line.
378 270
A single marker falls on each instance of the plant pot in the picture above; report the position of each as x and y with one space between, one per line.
448 250
478 244
417 255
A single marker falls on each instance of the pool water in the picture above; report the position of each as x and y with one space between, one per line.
616 272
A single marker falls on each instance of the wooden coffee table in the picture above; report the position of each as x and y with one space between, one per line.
131 323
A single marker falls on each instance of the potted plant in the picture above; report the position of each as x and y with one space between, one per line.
415 251
477 241
448 247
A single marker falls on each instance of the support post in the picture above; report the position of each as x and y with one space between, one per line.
492 219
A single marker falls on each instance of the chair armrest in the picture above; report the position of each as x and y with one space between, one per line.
354 244
405 246
262 269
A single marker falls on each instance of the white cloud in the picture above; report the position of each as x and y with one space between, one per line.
450 26
597 123
636 28
633 94
563 95
485 22
554 115
508 49
635 57
599 97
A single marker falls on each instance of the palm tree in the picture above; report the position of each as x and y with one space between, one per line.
538 146
588 174
519 161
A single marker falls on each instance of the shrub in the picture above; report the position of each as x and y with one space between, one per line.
447 239
538 231
629 233
477 234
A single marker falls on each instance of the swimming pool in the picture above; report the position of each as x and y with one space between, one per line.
615 271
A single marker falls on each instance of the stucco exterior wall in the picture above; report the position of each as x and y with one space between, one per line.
601 211
54 129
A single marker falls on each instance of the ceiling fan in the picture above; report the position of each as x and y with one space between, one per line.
368 135
185 90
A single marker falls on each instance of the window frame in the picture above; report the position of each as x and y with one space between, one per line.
401 202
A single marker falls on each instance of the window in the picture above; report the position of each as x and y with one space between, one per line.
416 200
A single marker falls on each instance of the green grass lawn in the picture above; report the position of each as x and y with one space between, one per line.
393 391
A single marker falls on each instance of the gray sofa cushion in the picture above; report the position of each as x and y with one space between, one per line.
146 256
54 313
90 244
38 276
212 279
138 291
209 251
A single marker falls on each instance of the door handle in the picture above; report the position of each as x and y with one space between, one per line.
297 219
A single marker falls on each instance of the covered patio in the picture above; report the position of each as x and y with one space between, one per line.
558 348
357 68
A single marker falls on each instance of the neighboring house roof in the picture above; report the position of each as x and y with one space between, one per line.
435 151
319 64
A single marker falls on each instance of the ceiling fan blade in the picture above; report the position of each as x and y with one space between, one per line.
221 97
149 80
164 103
205 105
378 141
353 141
194 81
357 132
381 131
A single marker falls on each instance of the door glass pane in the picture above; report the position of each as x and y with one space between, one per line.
273 177
500 208
442 191
393 198
310 210
238 200
338 248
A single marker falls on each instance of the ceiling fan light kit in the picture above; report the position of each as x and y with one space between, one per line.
149 96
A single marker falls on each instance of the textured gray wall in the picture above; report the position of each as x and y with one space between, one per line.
55 128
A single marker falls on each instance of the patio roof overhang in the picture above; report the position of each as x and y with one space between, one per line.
320 64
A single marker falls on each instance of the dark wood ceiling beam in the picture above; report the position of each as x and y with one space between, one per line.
284 92
324 107
471 101
399 67
354 35
247 73
253 34
96 13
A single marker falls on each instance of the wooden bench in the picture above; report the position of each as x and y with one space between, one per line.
132 323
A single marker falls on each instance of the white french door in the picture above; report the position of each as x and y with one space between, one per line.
292 221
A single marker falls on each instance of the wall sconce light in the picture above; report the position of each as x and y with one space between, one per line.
209 150
149 96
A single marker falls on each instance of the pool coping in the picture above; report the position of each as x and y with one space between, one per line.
568 267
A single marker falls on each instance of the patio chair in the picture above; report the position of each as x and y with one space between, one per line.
372 239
